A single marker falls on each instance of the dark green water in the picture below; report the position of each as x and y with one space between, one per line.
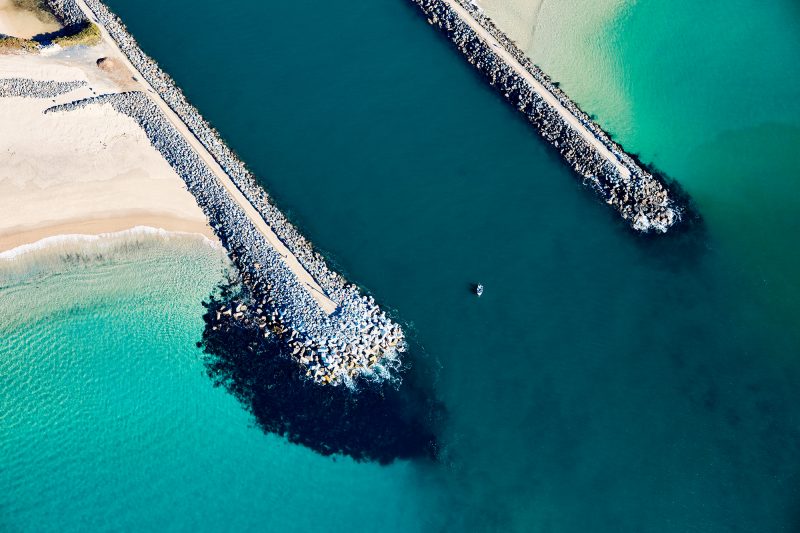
602 383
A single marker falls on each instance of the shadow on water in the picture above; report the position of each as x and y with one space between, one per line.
377 422
67 31
691 227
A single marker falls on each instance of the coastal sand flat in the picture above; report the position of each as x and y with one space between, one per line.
23 23
87 171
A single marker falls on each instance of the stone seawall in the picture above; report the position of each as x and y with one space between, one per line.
641 199
27 88
67 11
357 338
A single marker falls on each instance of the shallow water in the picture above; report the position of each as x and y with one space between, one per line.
602 383
703 90
110 422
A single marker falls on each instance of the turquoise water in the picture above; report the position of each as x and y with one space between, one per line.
109 421
704 90
602 383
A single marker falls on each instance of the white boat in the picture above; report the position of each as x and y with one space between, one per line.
479 290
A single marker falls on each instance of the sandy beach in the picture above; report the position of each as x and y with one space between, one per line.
24 23
112 178
87 171
518 18
304 277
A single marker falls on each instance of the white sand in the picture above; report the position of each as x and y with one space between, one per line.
22 23
517 18
88 171
546 95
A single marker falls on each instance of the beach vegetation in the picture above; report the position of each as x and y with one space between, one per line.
15 44
86 34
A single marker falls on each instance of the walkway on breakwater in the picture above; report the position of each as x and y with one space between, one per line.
573 121
306 279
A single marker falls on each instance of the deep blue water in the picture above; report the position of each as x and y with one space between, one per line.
604 382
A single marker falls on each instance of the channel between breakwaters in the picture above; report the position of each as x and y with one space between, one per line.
333 330
640 198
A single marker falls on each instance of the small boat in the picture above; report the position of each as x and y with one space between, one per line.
479 290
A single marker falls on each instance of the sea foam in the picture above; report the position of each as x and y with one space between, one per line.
70 243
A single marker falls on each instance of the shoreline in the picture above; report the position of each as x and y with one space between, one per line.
334 332
99 227
88 173
24 23
307 280
139 232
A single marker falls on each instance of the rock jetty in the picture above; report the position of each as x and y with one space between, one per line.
357 338
641 199
28 88
67 11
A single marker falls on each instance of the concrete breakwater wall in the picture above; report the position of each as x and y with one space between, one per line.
639 197
357 338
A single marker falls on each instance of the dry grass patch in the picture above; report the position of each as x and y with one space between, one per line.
15 44
88 35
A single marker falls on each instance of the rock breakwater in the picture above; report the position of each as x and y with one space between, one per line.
642 200
28 88
357 338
